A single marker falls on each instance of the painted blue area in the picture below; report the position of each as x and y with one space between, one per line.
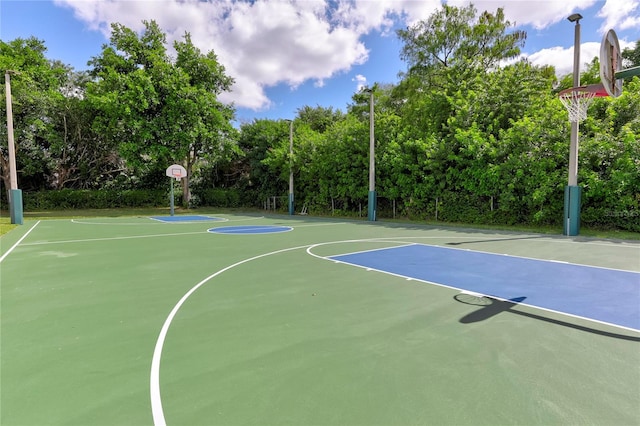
186 218
606 295
250 229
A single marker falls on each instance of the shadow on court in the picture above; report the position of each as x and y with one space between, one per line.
489 307
496 239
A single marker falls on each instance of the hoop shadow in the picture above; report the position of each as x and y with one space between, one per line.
490 307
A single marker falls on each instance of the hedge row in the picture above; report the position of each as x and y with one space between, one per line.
482 210
93 199
218 197
106 199
451 208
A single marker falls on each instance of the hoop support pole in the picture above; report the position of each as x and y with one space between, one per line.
171 202
572 201
626 73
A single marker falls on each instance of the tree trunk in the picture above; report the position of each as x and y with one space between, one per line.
186 195
6 177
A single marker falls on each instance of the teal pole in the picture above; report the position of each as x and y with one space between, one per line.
291 207
291 211
171 196
572 201
372 205
372 162
15 207
572 192
15 195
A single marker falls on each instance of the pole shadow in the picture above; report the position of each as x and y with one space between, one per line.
490 307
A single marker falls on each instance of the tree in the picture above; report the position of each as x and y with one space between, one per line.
448 56
590 74
341 162
609 166
452 37
79 156
631 57
319 118
161 111
35 91
258 167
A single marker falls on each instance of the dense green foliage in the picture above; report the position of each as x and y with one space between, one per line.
158 111
94 199
469 134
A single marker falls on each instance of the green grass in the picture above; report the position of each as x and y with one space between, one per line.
5 225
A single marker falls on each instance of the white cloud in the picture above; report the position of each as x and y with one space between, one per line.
263 43
620 14
537 13
361 82
562 58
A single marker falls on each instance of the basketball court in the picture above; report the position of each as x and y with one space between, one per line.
237 319
133 320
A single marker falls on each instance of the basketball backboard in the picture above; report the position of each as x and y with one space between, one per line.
176 171
610 63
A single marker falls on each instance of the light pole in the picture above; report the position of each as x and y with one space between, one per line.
15 195
372 162
572 193
291 205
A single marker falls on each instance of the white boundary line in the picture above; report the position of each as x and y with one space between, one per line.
138 236
256 230
132 237
368 268
154 380
309 225
390 239
401 244
528 258
158 223
78 222
19 241
181 222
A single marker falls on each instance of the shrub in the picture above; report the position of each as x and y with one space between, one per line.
94 199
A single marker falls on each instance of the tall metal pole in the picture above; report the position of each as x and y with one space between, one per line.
171 199
573 150
13 176
291 205
15 195
572 192
372 163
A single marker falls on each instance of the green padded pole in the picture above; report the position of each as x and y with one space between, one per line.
572 201
15 206
372 205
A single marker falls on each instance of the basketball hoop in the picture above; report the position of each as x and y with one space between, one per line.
176 171
578 99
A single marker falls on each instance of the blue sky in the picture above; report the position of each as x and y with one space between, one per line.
285 54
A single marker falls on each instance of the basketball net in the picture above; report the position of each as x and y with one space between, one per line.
577 103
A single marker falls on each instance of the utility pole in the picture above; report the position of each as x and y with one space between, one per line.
15 195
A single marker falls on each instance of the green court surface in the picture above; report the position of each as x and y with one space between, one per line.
135 321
